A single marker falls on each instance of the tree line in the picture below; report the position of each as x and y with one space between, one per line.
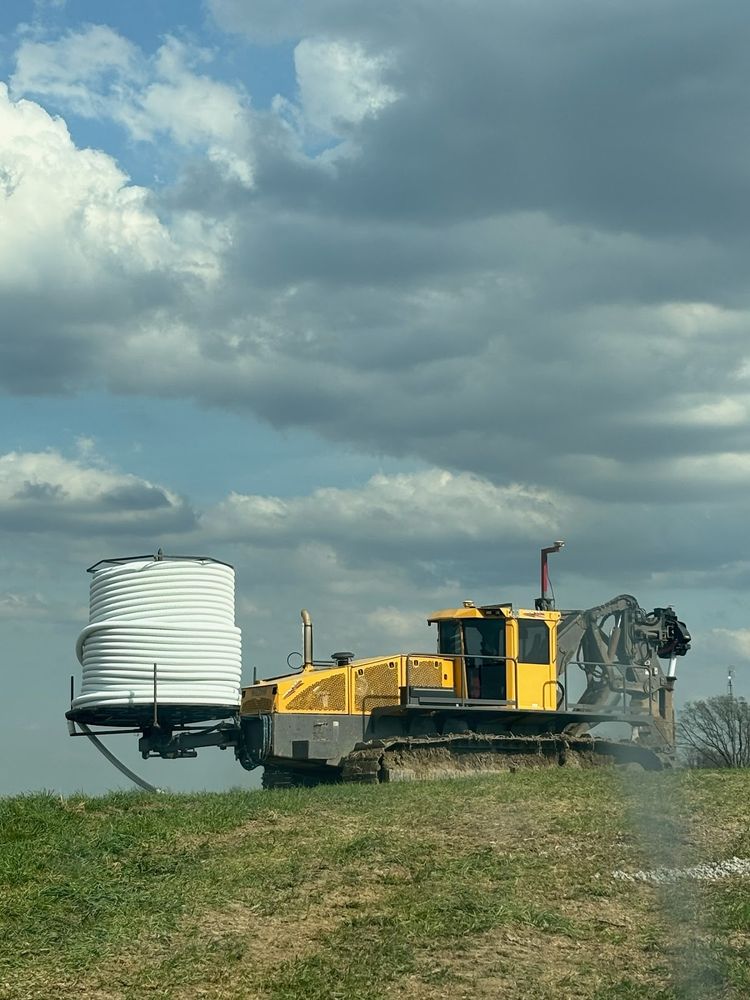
715 732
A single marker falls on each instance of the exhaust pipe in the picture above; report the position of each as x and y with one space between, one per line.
307 639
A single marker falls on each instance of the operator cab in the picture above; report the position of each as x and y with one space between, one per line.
501 655
481 643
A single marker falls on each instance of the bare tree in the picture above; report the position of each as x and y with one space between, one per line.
716 732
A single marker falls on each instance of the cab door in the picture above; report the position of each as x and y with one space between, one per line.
537 671
484 649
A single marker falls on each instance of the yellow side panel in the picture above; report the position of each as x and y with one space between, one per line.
375 685
429 672
355 688
536 686
317 694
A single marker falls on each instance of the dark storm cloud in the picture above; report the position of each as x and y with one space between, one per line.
37 354
625 115
39 492
554 187
92 519
616 403
62 337
136 496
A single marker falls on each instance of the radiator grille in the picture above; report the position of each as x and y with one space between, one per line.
375 686
425 673
326 695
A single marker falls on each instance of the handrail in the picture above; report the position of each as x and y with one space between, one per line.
621 668
464 657
556 684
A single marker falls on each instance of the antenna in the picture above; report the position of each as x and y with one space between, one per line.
546 603
730 681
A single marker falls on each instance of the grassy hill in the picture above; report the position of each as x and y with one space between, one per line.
483 887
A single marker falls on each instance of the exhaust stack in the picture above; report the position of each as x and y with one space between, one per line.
307 639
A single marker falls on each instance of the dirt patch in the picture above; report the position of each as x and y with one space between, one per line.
271 939
524 963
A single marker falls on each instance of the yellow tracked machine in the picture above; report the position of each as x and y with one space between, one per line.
505 688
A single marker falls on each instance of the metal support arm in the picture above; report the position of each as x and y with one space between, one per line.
157 742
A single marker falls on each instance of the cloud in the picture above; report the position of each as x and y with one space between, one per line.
393 622
46 492
438 531
737 641
97 73
505 322
524 269
340 84
436 514
80 196
14 606
83 70
85 260
538 105
272 21
42 6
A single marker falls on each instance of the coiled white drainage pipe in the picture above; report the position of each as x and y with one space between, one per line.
175 613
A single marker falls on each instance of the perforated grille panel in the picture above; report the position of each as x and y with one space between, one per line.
325 695
425 673
375 685
258 699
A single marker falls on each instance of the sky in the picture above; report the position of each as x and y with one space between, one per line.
371 301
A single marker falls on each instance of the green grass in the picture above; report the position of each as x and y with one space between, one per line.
478 887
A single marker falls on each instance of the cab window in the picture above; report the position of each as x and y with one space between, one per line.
449 638
486 673
484 638
533 641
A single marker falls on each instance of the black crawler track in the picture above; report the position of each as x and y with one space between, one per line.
464 754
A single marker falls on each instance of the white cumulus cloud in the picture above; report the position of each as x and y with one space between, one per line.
85 70
340 83
422 509
47 492
97 73
66 213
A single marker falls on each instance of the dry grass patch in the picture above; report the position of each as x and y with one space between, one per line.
522 963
